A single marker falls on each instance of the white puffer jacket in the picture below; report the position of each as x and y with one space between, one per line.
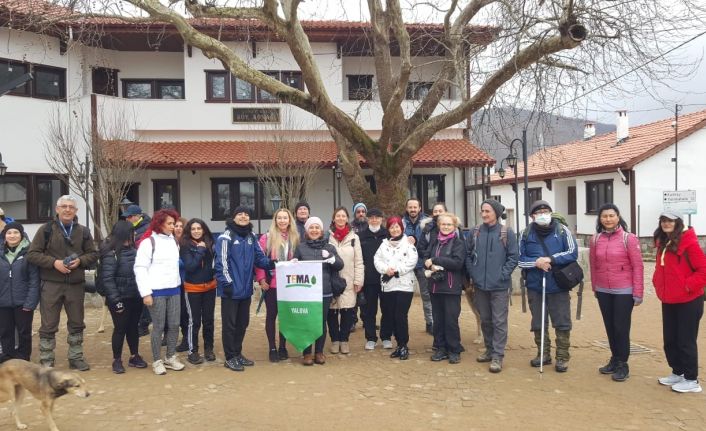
158 270
403 258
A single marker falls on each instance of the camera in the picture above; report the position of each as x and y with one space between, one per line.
69 259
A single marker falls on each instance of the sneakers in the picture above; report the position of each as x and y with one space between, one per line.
439 355
429 329
234 364
136 362
484 357
671 380
386 344
370 345
345 348
335 347
245 361
404 353
535 361
183 346
194 358
319 359
118 366
454 358
283 354
687 386
561 366
209 355
79 364
609 368
173 363
308 359
622 372
396 353
158 367
496 365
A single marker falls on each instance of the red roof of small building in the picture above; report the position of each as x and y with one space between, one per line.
603 153
243 154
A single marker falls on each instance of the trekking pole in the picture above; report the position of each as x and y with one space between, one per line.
541 342
523 291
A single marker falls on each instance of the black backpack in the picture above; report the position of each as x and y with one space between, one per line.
98 277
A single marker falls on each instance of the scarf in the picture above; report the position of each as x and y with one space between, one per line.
545 230
12 252
317 244
243 231
340 233
395 242
444 239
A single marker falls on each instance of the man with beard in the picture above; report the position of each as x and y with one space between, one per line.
360 220
412 220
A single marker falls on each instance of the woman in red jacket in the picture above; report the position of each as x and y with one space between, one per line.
617 275
679 280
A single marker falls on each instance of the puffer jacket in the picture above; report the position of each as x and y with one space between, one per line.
616 263
198 264
680 277
19 280
119 275
158 269
312 250
403 258
562 249
452 257
369 243
236 256
353 268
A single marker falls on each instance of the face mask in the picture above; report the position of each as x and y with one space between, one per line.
373 229
543 219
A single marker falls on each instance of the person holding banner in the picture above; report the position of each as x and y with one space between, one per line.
315 247
395 260
237 253
278 243
342 311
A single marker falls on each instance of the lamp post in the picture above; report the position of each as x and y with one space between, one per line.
276 201
511 161
339 173
3 166
87 171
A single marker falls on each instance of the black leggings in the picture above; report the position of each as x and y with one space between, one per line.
125 326
340 321
271 319
319 346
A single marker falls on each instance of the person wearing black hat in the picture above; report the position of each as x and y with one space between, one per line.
491 259
548 233
19 293
370 239
301 212
140 221
237 253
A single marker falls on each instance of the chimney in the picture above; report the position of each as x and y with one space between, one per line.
622 132
589 131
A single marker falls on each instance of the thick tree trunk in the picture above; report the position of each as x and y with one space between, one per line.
392 187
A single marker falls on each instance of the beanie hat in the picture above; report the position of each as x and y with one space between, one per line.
497 207
301 204
374 212
242 209
394 220
313 220
13 225
359 205
538 205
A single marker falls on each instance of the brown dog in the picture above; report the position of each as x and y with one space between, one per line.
45 384
470 290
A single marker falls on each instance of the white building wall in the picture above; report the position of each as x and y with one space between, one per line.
656 175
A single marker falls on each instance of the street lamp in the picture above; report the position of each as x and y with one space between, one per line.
511 161
276 201
3 166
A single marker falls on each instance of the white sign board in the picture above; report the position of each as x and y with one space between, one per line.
683 201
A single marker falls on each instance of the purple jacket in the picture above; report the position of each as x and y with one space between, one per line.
616 263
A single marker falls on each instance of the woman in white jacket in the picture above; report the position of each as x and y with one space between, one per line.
158 280
395 260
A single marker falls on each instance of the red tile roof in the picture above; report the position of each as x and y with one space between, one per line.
603 154
242 154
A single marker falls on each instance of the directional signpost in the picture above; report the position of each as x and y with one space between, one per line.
683 201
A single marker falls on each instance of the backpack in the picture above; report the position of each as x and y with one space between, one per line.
558 230
98 277
626 235
503 235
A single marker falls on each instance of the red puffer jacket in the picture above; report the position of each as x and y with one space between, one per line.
680 277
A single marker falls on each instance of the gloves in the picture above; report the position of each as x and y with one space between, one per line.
331 260
325 253
385 278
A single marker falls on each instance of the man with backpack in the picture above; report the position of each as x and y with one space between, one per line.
62 249
546 246
491 257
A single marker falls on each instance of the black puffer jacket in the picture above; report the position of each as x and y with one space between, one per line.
118 276
369 243
19 281
311 250
451 256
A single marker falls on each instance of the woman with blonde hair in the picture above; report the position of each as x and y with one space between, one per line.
279 244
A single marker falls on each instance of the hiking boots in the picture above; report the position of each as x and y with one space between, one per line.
496 365
245 361
234 364
345 348
484 357
396 352
194 358
319 359
335 347
536 360
118 366
308 359
136 361
608 368
209 355
439 355
79 364
454 358
622 372
404 353
561 366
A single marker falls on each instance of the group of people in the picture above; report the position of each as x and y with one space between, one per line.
170 270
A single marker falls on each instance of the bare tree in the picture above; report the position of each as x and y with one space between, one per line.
109 146
542 55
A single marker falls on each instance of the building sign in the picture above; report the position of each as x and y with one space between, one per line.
683 201
255 115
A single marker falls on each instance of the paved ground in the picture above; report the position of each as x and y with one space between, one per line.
369 390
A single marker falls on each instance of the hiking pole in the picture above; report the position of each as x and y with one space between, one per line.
523 291
580 301
541 342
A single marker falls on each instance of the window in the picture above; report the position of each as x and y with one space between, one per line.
597 194
153 89
30 198
48 83
533 194
264 96
360 87
293 79
496 197
228 193
418 90
430 189
166 194
105 81
571 195
217 86
222 86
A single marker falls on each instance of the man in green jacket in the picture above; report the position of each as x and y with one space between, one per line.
62 249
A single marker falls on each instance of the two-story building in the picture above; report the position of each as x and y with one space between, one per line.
199 129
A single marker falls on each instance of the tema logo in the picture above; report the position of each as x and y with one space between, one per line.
300 280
